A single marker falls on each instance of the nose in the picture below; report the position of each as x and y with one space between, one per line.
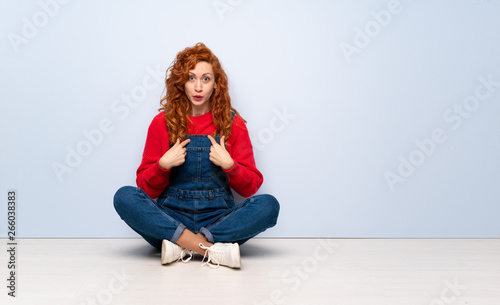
198 87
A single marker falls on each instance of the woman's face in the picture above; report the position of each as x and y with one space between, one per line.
200 86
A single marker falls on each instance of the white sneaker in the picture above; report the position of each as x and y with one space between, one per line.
222 254
171 252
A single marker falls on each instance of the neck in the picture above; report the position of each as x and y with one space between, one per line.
200 111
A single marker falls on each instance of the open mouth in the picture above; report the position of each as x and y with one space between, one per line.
198 97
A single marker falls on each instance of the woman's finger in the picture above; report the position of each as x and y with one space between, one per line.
222 142
211 139
184 143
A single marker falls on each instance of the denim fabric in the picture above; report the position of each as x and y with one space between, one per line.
198 198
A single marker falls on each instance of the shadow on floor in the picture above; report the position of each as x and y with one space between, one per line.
250 249
142 249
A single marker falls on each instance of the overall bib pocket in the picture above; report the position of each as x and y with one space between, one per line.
198 166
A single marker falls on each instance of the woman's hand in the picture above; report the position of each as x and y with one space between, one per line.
219 155
175 156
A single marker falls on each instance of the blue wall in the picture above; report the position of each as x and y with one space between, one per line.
368 118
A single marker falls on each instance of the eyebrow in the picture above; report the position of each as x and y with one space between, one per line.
202 74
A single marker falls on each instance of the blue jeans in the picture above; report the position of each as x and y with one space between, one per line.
219 219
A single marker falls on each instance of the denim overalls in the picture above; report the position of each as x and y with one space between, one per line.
198 198
199 190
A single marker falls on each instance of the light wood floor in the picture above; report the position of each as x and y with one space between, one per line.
274 271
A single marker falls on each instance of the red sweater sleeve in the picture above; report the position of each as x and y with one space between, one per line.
151 178
244 177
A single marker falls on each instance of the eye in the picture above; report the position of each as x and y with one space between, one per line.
206 78
191 77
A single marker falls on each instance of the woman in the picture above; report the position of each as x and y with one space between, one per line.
197 149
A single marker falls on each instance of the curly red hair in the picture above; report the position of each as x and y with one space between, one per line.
176 104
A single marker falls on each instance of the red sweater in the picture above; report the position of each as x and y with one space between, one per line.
244 177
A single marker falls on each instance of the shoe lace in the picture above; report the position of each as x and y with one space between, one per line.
183 254
211 255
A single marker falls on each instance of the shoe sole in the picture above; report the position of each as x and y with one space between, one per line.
163 253
238 265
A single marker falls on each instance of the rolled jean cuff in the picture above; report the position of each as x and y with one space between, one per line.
207 234
178 232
